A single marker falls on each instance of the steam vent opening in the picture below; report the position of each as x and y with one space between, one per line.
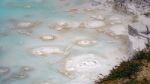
69 41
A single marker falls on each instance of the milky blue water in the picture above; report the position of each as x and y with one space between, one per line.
14 53
16 43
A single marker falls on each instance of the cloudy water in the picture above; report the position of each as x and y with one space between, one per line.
59 42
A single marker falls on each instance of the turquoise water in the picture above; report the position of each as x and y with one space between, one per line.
16 43
14 53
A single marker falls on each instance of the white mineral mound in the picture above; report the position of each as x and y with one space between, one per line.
95 24
45 51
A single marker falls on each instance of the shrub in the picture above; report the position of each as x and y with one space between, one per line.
126 69
142 55
132 81
129 68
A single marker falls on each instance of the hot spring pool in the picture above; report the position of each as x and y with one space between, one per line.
58 42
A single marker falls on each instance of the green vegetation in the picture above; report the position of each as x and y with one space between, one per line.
142 55
128 69
132 81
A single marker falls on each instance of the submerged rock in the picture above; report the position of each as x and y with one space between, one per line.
19 75
4 70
